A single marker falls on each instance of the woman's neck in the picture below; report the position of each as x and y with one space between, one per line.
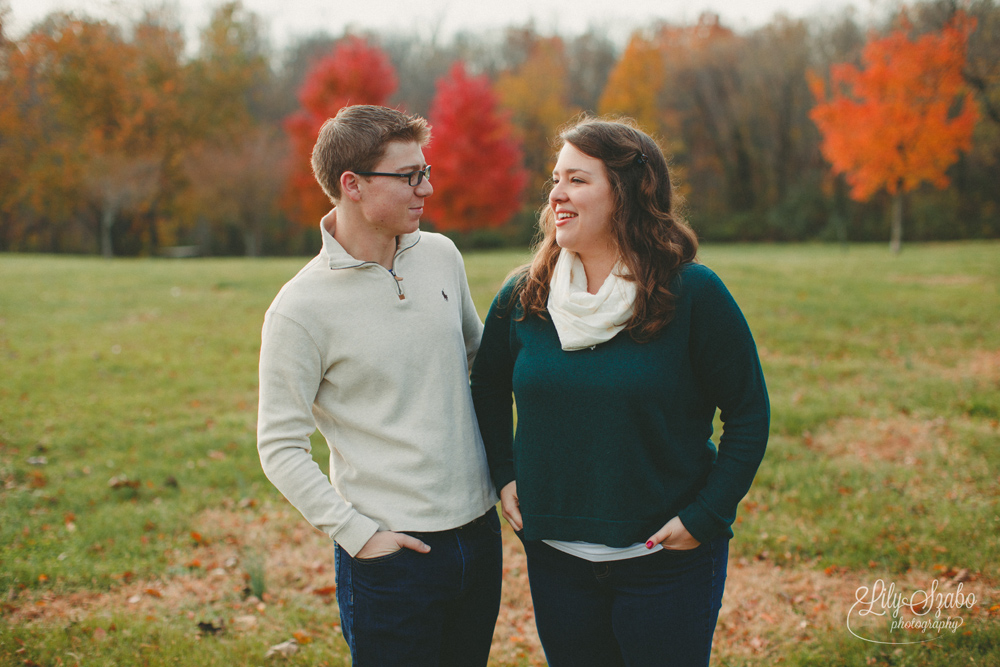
597 267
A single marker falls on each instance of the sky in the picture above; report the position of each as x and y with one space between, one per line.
287 20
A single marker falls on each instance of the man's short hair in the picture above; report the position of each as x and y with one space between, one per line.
356 139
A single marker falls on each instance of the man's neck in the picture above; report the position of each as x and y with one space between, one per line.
358 239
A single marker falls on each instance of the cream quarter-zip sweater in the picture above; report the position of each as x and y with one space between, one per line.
381 367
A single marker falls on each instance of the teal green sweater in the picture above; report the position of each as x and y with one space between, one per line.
614 441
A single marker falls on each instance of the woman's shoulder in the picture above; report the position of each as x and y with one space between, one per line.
508 296
693 276
695 271
512 284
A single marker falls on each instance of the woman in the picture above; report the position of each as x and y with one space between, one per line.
618 349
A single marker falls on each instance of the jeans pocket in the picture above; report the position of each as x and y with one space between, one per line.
381 559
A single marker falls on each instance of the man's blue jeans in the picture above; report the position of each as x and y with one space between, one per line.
437 609
655 610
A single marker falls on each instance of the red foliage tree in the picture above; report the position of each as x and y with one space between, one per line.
893 125
479 176
354 73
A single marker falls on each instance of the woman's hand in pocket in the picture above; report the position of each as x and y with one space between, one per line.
673 536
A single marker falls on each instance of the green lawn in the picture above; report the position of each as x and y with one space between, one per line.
127 417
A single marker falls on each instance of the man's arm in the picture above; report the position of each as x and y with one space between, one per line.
291 370
472 326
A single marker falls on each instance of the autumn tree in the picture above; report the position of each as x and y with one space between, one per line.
537 94
478 175
901 119
635 84
683 84
356 72
233 185
81 98
974 183
227 77
706 92
590 58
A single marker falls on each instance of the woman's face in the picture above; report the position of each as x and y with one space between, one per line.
583 203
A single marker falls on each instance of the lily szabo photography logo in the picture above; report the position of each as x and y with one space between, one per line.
884 615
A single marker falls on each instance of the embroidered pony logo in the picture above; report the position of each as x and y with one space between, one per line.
444 295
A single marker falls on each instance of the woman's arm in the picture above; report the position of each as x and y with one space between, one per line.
727 369
492 387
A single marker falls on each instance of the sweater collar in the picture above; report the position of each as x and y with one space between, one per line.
340 259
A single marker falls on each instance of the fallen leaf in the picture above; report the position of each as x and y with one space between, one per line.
326 590
153 592
301 636
283 649
123 482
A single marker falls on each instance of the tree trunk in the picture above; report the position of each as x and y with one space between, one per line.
896 238
841 211
250 244
107 222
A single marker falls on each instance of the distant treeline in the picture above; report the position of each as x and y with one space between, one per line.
115 139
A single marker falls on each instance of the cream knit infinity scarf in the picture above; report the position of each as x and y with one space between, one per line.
582 319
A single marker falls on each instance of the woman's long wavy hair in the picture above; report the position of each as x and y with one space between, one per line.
648 232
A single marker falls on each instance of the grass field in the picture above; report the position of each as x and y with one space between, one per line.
137 528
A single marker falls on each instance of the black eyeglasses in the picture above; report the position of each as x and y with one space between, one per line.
413 178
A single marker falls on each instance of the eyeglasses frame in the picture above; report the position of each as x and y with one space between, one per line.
421 174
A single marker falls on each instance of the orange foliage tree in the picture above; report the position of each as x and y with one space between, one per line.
537 94
96 118
893 124
355 73
478 173
635 84
677 82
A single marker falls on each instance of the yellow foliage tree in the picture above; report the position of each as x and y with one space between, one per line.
635 84
537 94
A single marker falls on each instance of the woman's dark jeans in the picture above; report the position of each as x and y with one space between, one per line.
659 609
437 609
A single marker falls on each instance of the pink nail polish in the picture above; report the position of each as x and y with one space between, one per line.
649 545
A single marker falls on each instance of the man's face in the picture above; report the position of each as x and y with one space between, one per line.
390 205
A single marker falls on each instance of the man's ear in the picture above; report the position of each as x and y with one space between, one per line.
350 186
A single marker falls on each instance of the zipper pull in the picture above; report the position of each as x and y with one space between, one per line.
398 280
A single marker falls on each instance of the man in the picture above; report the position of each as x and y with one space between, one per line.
371 343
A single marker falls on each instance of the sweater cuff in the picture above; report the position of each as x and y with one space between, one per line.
502 476
703 524
355 534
